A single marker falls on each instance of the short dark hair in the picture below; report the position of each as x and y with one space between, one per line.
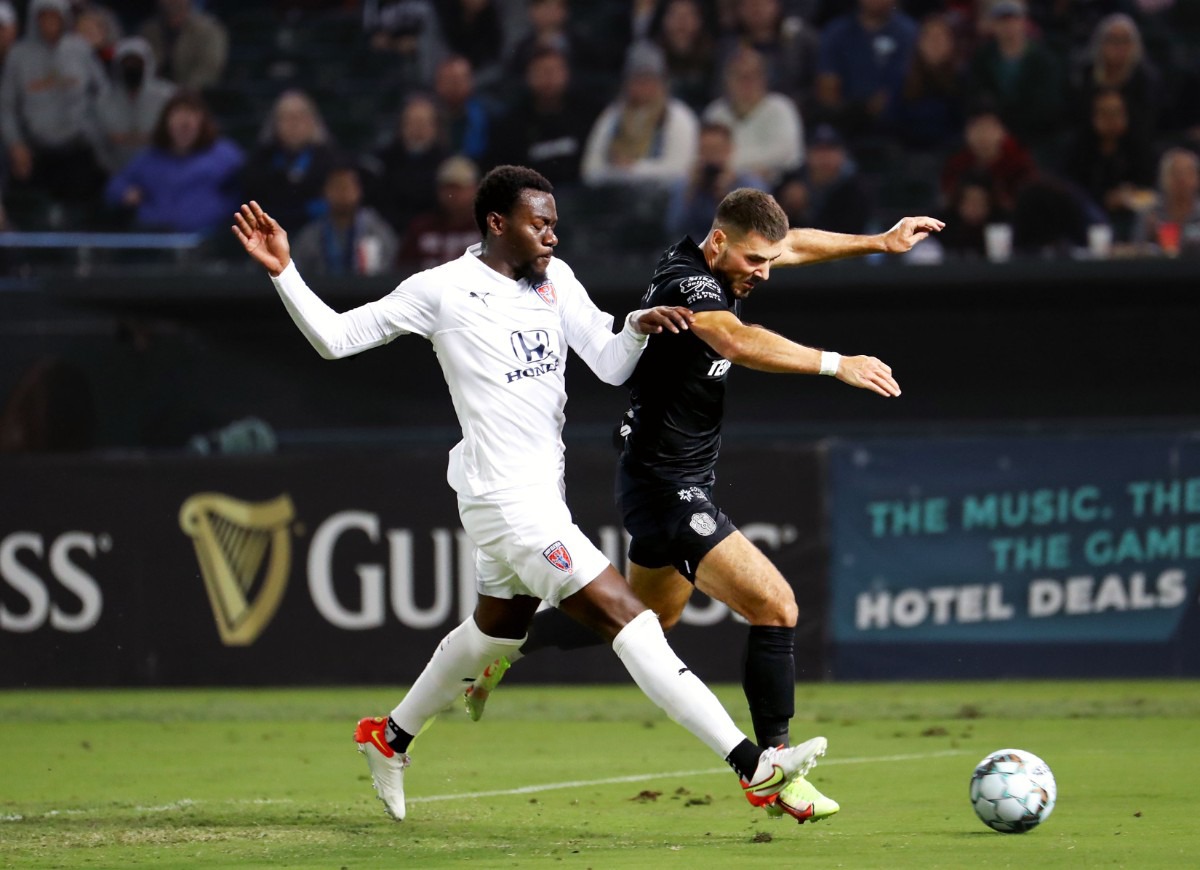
501 188
747 210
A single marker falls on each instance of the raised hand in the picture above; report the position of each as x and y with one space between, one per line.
868 373
670 318
908 232
262 237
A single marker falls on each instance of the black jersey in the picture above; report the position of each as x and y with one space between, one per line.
678 388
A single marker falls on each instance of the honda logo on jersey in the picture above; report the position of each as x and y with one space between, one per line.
535 353
531 345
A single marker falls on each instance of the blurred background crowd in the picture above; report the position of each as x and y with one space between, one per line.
1040 127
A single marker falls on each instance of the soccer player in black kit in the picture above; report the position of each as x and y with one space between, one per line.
681 540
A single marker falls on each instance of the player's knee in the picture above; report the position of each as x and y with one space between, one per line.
780 610
668 618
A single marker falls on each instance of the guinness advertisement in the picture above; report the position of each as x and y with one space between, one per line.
322 568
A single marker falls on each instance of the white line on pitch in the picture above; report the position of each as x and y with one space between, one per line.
646 777
526 789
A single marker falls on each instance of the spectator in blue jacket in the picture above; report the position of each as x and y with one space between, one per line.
189 179
863 60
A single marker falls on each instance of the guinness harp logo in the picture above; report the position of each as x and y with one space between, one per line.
245 552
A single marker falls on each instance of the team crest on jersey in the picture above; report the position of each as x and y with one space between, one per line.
559 556
547 292
702 524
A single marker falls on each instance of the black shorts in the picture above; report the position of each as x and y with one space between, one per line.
670 523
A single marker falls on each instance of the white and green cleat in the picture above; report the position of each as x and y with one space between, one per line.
801 800
477 693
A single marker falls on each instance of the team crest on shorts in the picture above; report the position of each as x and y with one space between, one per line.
558 556
547 292
702 524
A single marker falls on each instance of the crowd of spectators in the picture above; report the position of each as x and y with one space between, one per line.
364 125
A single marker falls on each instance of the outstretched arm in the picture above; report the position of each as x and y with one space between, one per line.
766 351
806 246
333 335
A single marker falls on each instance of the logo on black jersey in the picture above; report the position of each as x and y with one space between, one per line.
532 348
699 287
702 524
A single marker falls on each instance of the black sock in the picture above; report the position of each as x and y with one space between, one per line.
744 759
769 681
553 628
396 738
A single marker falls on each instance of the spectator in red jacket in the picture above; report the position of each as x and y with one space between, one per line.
991 150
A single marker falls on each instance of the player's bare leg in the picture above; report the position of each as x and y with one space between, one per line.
608 607
736 573
663 590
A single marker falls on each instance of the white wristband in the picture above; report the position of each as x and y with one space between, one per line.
830 361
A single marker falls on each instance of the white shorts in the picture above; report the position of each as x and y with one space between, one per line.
528 544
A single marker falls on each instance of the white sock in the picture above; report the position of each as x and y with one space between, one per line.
459 658
669 683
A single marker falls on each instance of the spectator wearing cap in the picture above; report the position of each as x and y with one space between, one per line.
130 107
47 107
768 133
350 238
548 124
1016 71
827 193
190 46
645 134
442 235
861 66
693 202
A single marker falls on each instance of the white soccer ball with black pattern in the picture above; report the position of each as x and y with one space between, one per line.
1013 791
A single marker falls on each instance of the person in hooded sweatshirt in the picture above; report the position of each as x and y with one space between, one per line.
129 109
47 107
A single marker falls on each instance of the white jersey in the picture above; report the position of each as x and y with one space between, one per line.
502 345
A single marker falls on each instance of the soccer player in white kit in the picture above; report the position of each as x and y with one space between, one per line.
501 318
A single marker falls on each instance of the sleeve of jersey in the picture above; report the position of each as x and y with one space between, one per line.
698 292
612 357
337 335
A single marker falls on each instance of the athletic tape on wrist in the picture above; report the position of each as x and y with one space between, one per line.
830 360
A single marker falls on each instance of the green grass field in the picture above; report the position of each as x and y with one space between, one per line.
593 777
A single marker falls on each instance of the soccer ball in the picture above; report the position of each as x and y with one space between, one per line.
1013 791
